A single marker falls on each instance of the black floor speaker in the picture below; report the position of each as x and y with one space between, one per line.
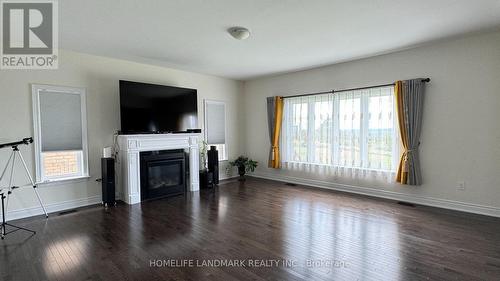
213 163
206 179
108 181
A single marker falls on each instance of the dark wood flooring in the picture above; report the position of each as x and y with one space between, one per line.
312 234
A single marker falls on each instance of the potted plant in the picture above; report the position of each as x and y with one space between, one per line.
203 155
244 165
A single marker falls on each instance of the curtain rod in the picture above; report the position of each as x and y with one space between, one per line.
347 90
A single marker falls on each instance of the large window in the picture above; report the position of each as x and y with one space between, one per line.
355 129
59 118
215 126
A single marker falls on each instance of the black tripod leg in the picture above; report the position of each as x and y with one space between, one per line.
3 217
4 224
22 228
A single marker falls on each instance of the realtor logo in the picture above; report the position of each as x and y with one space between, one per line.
29 35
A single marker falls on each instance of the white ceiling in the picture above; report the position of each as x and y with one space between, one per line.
287 35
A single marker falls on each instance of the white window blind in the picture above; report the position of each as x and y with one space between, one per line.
215 126
345 131
216 122
61 121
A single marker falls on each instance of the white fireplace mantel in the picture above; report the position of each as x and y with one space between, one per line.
129 176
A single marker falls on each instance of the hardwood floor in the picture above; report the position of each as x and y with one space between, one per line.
313 234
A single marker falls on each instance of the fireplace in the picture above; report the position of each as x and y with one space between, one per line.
163 173
129 164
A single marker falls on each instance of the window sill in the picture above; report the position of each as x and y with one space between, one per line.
63 181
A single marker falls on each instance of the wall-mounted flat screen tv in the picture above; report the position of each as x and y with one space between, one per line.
149 108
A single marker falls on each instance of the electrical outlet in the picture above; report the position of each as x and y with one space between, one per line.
460 185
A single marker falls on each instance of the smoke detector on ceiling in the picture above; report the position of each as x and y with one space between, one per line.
238 32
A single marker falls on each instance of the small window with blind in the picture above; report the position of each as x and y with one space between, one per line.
60 126
215 126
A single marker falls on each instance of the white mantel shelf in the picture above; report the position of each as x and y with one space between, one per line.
130 146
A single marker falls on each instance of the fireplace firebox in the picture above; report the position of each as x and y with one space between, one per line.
163 173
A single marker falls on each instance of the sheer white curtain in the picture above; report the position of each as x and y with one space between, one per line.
347 134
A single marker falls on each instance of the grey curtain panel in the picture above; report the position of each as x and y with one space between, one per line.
271 116
410 100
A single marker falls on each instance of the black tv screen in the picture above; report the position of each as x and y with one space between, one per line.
149 108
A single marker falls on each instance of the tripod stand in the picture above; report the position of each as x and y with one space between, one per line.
11 162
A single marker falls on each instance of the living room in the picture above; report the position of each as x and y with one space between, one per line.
277 140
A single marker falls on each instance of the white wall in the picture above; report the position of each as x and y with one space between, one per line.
100 76
461 131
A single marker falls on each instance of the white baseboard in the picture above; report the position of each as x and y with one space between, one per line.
228 177
421 200
53 207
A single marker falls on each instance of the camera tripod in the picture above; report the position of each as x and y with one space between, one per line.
11 162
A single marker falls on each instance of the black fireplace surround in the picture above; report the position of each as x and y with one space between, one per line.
163 173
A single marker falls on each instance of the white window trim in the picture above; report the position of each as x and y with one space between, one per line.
35 91
205 104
